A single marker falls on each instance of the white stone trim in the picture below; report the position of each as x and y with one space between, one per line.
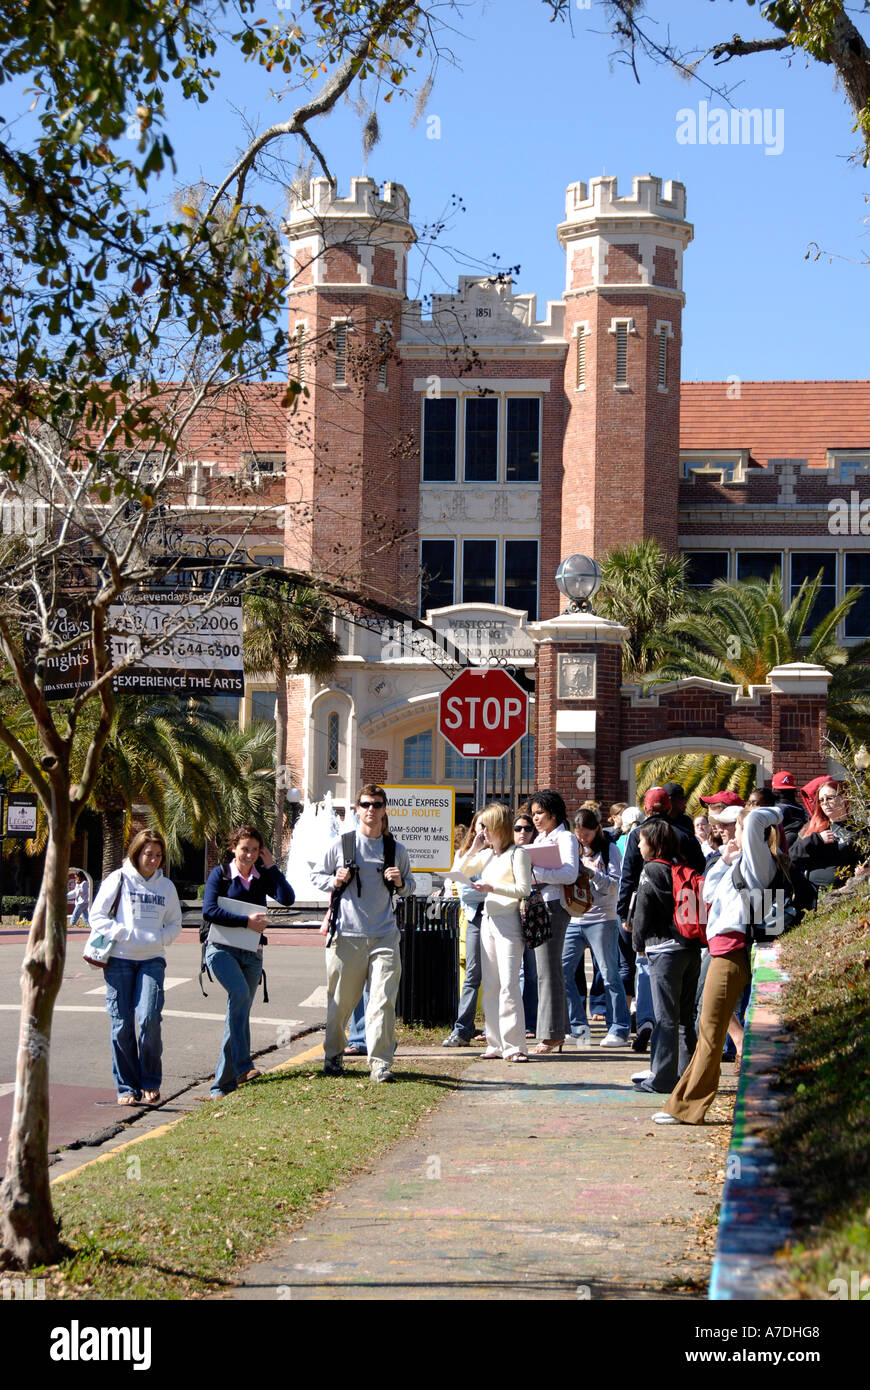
472 386
799 678
575 728
577 627
652 699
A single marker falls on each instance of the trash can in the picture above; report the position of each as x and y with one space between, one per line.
429 989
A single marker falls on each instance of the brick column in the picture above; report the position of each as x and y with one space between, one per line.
799 725
578 674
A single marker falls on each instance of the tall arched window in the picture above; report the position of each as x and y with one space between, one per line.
332 745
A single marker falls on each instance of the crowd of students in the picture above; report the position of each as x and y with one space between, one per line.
679 986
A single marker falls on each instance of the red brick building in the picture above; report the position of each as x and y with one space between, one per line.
445 461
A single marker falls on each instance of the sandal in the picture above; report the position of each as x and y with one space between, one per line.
545 1047
355 1052
128 1100
491 1054
150 1097
518 1057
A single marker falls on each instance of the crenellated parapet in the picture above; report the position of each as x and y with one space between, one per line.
633 241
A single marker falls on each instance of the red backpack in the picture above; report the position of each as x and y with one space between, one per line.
690 910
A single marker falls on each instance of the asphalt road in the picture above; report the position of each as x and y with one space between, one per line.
83 1096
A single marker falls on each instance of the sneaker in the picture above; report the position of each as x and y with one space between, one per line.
641 1042
384 1075
639 1076
661 1117
332 1067
613 1040
583 1036
456 1040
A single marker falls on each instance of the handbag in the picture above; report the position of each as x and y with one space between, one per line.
535 919
578 895
99 945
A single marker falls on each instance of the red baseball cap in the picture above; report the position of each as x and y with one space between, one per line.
723 799
656 799
783 781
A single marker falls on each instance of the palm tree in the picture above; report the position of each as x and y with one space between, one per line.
246 759
643 587
156 748
743 629
699 774
287 631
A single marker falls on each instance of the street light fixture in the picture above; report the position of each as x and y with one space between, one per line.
862 758
579 579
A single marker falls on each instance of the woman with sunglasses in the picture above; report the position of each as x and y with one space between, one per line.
825 850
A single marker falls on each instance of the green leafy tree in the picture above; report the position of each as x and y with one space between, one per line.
288 631
117 329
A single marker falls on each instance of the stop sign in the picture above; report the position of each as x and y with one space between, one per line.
483 713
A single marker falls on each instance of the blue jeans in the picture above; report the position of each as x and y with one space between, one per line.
356 1036
467 1012
602 938
134 1002
640 989
239 973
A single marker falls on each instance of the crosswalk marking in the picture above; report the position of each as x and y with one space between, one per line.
169 983
317 1000
168 1013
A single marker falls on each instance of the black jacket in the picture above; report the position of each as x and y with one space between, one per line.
689 849
653 921
826 864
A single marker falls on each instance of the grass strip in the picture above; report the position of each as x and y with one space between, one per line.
179 1216
822 1140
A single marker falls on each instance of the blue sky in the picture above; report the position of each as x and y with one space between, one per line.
531 107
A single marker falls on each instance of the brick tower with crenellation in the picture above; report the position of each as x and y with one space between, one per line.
623 309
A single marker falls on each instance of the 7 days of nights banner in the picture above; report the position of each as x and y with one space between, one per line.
421 818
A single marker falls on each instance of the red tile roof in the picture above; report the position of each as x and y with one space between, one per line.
776 419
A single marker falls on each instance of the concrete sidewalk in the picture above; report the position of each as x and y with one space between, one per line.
541 1181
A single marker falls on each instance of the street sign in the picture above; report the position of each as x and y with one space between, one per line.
421 818
483 713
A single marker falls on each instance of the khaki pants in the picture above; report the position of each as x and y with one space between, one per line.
696 1090
351 963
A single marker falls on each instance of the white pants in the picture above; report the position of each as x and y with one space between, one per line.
501 956
351 963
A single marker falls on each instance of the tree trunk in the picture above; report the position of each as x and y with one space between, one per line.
29 1233
113 838
281 774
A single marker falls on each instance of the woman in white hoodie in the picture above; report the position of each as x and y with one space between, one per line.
139 909
731 907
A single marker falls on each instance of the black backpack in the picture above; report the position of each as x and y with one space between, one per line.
348 861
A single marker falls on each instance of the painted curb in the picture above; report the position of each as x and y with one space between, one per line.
755 1217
